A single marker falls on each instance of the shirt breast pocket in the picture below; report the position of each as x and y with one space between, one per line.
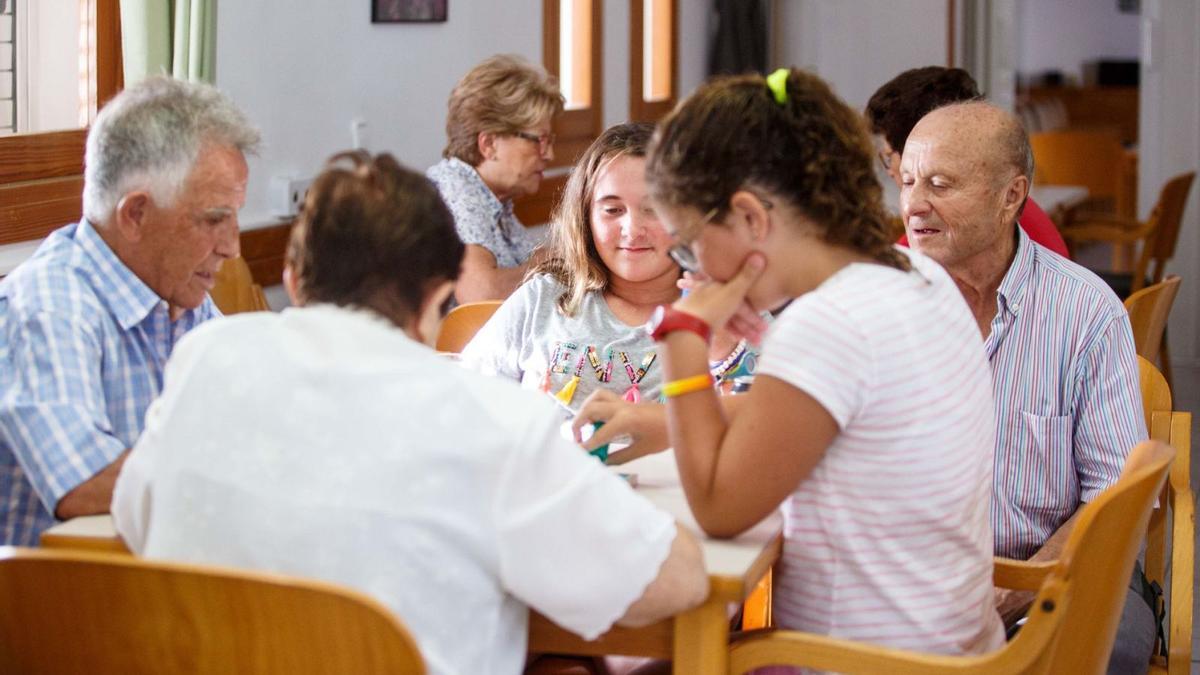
1040 466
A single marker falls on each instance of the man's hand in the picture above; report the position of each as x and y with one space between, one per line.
92 496
1012 604
645 423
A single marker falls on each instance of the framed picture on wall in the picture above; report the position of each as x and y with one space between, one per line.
407 11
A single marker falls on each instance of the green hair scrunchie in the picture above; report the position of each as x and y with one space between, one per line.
777 83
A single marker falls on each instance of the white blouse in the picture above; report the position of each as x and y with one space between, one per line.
323 442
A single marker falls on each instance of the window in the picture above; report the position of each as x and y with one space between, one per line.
41 179
8 74
653 58
571 42
48 54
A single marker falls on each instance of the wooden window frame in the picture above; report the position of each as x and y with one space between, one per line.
641 110
41 174
576 129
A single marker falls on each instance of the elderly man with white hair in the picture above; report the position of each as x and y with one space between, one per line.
87 324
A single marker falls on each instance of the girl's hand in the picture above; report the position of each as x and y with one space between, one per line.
645 423
724 305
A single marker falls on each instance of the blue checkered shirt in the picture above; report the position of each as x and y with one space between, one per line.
83 343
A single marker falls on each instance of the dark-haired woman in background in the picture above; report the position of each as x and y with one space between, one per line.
870 419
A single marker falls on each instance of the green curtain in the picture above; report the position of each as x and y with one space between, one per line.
174 37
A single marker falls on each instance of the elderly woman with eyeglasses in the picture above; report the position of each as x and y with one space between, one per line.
498 145
577 325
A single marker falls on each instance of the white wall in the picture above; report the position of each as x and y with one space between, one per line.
329 64
303 75
1063 34
1169 143
857 46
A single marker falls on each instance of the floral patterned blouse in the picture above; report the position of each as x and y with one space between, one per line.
480 217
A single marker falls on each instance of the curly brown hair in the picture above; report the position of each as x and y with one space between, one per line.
813 151
372 234
573 260
896 107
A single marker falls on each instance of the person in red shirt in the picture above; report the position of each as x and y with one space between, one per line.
897 106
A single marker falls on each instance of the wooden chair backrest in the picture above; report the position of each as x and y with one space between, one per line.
1174 535
1099 555
81 612
1073 620
1087 157
1156 395
461 324
1148 310
1166 219
235 290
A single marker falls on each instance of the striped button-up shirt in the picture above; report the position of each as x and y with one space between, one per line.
83 342
1068 403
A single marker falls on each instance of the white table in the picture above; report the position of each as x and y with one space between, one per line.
1057 199
695 640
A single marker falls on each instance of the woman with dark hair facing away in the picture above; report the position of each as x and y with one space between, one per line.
498 144
330 441
870 421
896 107
577 325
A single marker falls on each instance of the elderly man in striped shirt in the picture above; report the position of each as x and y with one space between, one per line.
1064 370
87 324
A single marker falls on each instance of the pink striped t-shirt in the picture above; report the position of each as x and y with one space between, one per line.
888 540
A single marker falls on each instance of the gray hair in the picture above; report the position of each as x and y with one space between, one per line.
1025 151
149 136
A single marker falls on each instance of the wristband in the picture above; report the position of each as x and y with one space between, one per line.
687 385
667 319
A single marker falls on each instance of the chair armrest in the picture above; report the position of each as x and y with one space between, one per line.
1020 574
1179 625
758 649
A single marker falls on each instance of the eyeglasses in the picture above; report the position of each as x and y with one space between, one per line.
683 255
544 141
885 158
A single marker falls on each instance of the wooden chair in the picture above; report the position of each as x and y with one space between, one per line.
235 290
461 324
1072 622
1148 310
1176 498
1158 235
756 610
70 612
1093 158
